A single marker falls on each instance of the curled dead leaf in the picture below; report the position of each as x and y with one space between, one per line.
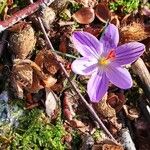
27 75
131 112
102 12
22 74
116 101
77 123
85 15
51 103
105 109
115 20
47 61
22 40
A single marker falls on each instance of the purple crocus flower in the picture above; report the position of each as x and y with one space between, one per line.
104 61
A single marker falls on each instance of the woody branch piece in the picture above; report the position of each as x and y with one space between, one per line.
141 70
23 13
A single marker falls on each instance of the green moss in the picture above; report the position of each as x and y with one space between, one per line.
30 130
127 6
20 3
2 5
35 132
97 135
73 6
65 15
76 140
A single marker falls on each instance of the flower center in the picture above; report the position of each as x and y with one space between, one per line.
106 60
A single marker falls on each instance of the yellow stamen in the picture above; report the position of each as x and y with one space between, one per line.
106 60
103 61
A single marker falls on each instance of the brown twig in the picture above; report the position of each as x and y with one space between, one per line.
23 13
141 70
89 107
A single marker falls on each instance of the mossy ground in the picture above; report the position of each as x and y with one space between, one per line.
34 132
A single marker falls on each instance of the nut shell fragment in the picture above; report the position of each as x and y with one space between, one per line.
102 12
85 15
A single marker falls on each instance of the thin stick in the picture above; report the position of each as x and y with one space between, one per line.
89 107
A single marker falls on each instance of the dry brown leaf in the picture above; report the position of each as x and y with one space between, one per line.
116 101
77 123
47 61
63 43
102 12
85 15
67 104
27 75
111 147
23 74
10 2
36 84
131 112
57 87
94 30
107 145
22 40
105 109
49 65
49 81
109 113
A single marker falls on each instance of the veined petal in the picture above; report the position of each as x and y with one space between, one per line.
128 53
87 44
110 38
97 86
84 66
119 77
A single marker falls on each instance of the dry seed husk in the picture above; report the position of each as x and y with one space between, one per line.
133 32
22 40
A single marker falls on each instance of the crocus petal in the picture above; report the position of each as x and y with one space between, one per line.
119 77
87 44
128 53
97 86
110 38
83 66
